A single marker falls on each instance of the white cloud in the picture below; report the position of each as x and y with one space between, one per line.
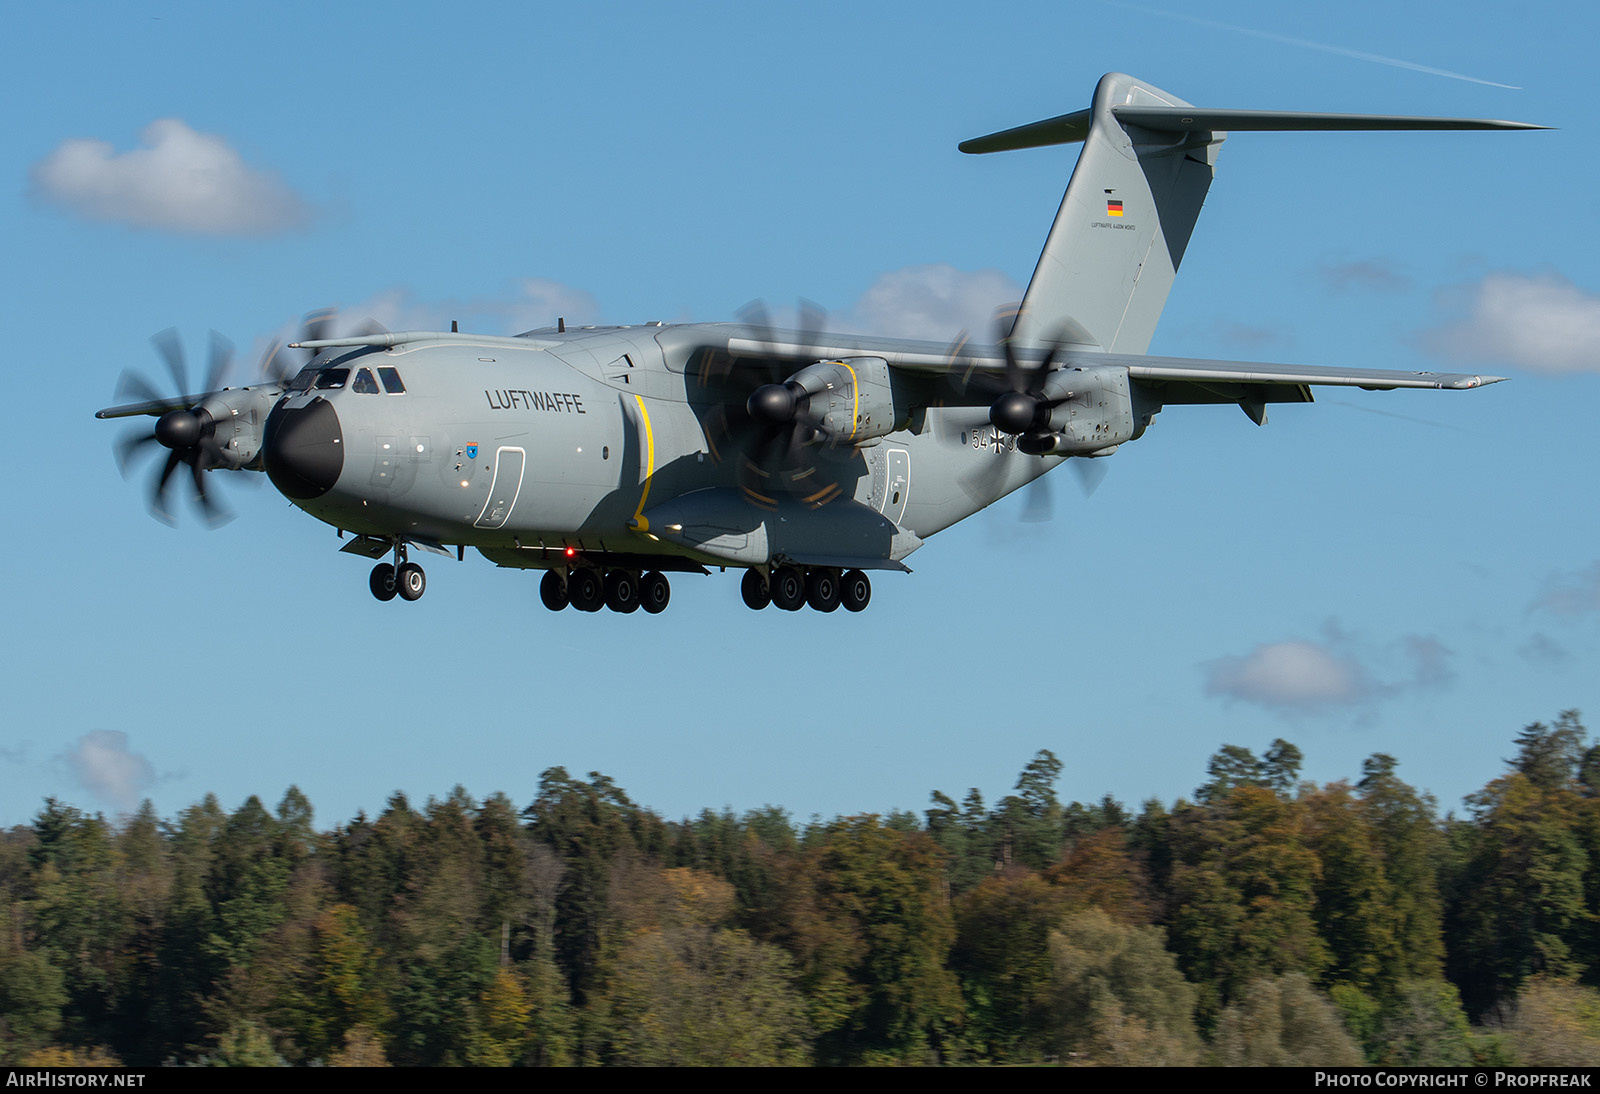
1371 274
1291 675
539 302
1299 675
934 302
103 765
528 302
1541 322
1541 649
178 180
1572 594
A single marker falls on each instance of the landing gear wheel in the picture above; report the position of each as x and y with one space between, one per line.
586 591
822 589
553 590
622 592
755 590
382 581
654 592
855 591
788 588
410 581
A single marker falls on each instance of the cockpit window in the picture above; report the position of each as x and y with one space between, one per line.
391 381
364 384
302 379
332 378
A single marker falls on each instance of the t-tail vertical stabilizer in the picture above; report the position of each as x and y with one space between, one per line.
1147 162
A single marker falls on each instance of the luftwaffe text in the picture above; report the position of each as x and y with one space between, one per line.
561 402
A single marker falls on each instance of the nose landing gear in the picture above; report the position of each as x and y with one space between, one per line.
399 577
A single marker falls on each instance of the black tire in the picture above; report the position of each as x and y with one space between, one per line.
654 592
822 589
585 590
755 590
788 588
855 591
622 592
410 581
382 581
553 590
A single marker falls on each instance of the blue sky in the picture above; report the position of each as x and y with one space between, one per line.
1407 572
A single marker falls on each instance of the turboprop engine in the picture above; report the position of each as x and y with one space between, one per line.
1082 411
850 400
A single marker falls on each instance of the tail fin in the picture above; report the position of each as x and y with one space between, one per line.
1147 162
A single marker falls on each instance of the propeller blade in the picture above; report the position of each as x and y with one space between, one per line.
1005 321
1039 506
124 447
132 387
158 497
318 325
170 347
1091 473
221 359
813 320
215 513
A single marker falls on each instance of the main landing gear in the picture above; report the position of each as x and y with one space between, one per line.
623 591
406 579
790 588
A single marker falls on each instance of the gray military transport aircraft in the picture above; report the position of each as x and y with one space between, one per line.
609 456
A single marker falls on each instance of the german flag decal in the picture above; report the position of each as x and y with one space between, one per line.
1113 208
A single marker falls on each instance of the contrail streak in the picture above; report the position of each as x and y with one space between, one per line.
1322 47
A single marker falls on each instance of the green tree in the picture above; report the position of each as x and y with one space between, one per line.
1029 823
1555 1023
1117 997
1355 904
1423 1025
1002 957
1520 906
32 995
700 996
1412 845
888 888
1283 1022
1242 893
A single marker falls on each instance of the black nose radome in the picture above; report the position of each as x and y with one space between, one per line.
304 449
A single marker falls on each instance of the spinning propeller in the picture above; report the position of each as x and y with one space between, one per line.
187 431
188 420
760 418
1020 401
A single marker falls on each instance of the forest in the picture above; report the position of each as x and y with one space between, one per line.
1268 920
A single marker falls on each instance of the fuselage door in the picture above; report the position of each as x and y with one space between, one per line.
898 489
503 491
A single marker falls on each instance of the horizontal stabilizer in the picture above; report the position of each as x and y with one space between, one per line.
1074 127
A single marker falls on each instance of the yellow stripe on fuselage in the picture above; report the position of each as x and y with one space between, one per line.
649 463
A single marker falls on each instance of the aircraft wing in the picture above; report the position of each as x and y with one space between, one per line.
1181 370
932 358
153 407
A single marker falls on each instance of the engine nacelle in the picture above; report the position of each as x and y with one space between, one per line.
1094 413
240 417
852 398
